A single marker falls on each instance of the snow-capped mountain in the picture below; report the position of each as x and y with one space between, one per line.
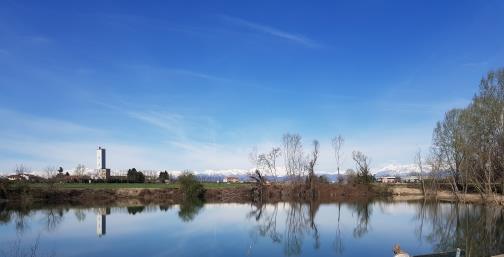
400 170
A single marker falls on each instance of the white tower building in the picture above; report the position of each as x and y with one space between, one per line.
101 167
100 158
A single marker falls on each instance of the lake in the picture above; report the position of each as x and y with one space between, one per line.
361 228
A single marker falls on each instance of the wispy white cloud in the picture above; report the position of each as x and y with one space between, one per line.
149 71
171 123
198 75
39 141
16 121
296 38
177 126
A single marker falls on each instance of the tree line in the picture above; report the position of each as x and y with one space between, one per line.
299 166
468 143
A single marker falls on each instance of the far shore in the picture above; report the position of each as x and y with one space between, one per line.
217 192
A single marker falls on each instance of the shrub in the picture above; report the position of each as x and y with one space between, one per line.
190 185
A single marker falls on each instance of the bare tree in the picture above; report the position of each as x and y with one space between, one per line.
337 143
470 141
419 162
268 162
435 163
311 163
448 140
50 172
362 163
21 169
80 170
254 157
257 175
294 158
350 175
150 175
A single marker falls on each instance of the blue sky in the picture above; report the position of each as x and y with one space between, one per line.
197 84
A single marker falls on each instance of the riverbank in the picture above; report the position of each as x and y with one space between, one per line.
83 193
401 191
214 192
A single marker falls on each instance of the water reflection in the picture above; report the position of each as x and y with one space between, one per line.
189 209
101 221
475 228
300 222
53 217
294 229
338 238
363 212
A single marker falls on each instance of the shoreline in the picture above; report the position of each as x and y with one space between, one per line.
237 193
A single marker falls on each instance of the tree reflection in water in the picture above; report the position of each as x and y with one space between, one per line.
338 239
80 215
297 224
475 228
53 217
18 216
363 211
299 221
444 226
189 209
267 221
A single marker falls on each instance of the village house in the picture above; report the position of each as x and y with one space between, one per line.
388 180
231 180
24 177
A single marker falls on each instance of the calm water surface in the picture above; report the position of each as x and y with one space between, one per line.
283 229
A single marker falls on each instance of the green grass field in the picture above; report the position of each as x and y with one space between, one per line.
132 185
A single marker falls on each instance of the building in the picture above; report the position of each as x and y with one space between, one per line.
25 177
388 180
411 179
101 164
231 180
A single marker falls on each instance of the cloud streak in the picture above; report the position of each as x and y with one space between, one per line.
149 71
271 31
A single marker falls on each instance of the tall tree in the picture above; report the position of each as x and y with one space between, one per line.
337 143
80 170
362 163
268 162
312 162
470 141
419 162
293 155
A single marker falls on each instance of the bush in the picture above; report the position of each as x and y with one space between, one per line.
190 185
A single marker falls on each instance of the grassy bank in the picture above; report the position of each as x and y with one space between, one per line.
130 185
83 192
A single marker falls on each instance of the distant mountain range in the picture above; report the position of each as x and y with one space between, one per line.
400 170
